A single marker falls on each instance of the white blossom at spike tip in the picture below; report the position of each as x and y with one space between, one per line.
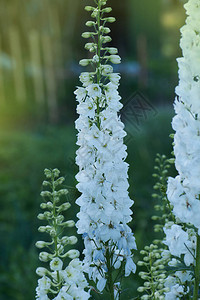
103 178
184 190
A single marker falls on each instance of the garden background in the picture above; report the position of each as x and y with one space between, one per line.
40 46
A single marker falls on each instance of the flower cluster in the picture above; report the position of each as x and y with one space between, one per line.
58 282
184 191
104 201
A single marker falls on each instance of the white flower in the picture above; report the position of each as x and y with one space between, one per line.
80 94
129 266
56 264
176 240
94 90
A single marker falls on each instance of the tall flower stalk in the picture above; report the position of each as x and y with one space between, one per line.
57 281
103 173
184 190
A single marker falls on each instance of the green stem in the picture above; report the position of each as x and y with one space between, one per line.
152 279
98 53
55 239
110 278
197 270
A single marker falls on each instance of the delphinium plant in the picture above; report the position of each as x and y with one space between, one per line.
103 173
156 257
182 233
59 280
184 191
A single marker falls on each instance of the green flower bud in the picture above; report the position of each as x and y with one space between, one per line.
72 240
62 192
105 30
59 181
91 47
87 35
106 39
89 8
41 217
90 23
60 219
109 19
141 289
94 13
40 244
63 207
49 205
73 254
56 172
84 62
112 50
47 173
47 215
69 223
43 205
107 9
45 194
45 183
44 228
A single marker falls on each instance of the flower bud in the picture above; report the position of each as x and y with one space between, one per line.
69 223
56 172
95 59
112 50
52 233
109 19
73 253
49 205
59 181
105 30
84 62
44 228
107 9
89 8
45 183
63 207
40 244
106 39
86 35
41 216
43 205
45 256
62 192
141 289
41 271
91 47
94 13
72 240
90 23
45 194
47 173
115 59
47 215
60 219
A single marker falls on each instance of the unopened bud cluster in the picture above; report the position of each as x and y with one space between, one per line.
58 282
154 277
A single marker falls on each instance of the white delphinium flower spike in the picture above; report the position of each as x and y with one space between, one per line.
184 190
58 281
102 178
